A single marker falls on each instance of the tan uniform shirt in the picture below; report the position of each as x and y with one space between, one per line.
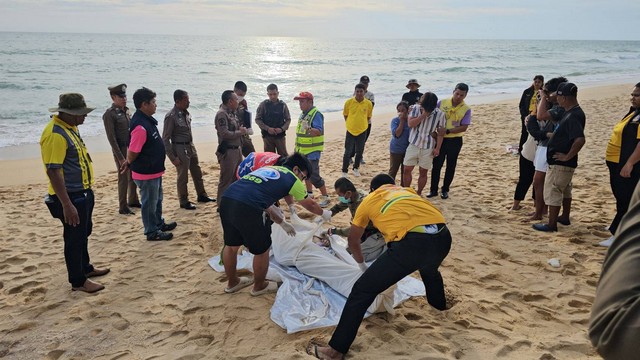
177 130
228 127
116 125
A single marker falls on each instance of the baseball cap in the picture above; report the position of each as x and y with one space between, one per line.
304 95
567 89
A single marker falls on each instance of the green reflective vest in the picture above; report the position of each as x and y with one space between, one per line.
305 143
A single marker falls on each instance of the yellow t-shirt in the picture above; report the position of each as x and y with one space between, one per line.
395 210
613 147
358 114
532 104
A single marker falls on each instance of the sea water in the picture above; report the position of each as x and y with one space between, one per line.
36 67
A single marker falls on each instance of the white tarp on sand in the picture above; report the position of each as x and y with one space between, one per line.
303 302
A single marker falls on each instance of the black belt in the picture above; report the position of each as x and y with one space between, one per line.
233 147
182 143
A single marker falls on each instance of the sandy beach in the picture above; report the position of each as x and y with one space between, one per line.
163 301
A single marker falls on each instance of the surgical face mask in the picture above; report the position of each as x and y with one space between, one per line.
344 200
240 98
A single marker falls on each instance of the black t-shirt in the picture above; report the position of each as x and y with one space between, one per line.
412 97
570 127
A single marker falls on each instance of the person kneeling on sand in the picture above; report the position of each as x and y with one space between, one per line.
244 207
418 239
372 242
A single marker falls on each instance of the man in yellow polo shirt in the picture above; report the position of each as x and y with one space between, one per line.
458 116
417 239
357 112
70 198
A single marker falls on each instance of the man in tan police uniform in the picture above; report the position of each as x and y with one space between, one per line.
116 125
178 143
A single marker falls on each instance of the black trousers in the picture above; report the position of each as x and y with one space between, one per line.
449 150
353 144
524 134
525 179
76 238
622 190
422 252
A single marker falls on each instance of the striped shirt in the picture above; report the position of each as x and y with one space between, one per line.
420 135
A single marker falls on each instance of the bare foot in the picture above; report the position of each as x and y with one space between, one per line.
323 352
515 207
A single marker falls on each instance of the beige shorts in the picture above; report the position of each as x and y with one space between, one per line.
557 184
417 156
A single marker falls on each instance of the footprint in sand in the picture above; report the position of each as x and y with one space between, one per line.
506 350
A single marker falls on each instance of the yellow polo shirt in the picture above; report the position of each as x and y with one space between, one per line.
357 114
394 210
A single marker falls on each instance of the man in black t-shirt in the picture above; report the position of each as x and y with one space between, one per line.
562 156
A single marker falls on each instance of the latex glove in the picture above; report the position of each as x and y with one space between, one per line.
288 228
363 266
275 213
292 209
250 131
326 215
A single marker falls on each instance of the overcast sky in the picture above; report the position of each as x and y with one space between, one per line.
443 19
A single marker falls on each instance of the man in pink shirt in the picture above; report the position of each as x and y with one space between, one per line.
145 158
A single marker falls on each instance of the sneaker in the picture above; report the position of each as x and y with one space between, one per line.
362 161
324 201
345 175
608 242
432 194
160 236
168 226
356 172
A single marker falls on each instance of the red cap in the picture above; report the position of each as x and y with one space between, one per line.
304 95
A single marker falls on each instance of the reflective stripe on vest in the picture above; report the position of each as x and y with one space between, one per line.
305 143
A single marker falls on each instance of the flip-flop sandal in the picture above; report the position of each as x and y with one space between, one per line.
244 282
272 287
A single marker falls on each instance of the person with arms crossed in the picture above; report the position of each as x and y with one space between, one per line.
273 118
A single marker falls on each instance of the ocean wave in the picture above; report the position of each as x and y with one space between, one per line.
10 86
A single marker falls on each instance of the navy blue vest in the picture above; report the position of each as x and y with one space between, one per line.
151 157
273 116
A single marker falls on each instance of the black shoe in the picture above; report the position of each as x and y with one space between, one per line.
432 194
444 195
188 206
204 199
126 211
137 205
168 226
160 236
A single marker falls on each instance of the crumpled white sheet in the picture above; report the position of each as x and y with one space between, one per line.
303 302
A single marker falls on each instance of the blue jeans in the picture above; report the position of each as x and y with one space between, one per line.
151 200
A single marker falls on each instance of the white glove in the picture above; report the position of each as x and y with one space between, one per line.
250 131
363 266
326 215
292 209
288 228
